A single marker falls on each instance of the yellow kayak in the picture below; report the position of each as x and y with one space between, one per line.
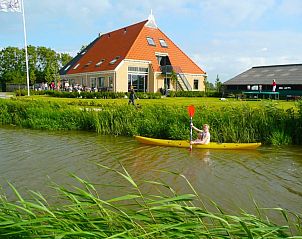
186 144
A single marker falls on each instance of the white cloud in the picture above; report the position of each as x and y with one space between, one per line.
224 37
291 7
230 12
234 52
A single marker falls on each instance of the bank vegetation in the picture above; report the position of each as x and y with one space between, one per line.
265 123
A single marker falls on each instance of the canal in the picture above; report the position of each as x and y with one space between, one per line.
32 160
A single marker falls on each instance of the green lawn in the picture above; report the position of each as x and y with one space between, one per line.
185 101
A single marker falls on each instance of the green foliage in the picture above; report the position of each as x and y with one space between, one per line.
186 93
240 123
90 95
84 214
44 64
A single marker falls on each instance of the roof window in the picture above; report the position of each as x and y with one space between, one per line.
114 60
163 43
100 62
77 65
88 63
67 67
82 53
150 41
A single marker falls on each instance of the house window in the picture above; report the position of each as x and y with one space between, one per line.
114 60
131 68
143 69
138 69
88 63
163 43
138 82
76 66
196 83
93 82
110 80
254 87
138 78
150 41
101 82
100 62
167 83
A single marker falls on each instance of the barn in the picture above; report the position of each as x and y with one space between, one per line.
259 80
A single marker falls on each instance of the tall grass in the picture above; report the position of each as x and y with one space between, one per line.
84 214
267 124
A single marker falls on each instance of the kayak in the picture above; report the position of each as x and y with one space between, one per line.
186 144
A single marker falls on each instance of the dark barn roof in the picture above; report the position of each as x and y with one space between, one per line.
283 74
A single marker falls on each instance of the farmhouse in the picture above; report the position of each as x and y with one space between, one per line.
259 79
139 56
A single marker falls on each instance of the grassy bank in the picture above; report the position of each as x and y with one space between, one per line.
84 214
267 123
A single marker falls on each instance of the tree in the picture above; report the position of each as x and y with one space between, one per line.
44 64
64 59
12 66
208 85
218 84
32 62
174 80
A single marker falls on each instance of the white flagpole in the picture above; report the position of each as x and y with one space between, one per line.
25 47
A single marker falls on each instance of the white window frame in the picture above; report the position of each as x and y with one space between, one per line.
100 62
114 60
150 41
76 66
163 43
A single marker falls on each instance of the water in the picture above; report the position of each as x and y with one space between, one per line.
32 159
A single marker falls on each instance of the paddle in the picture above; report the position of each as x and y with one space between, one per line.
191 111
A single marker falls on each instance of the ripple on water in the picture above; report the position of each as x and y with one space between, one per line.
273 176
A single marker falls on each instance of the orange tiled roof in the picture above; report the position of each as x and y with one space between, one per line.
130 43
141 50
108 46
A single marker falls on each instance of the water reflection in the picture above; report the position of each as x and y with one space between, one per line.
30 159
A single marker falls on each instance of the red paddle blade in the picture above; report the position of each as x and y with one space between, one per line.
191 110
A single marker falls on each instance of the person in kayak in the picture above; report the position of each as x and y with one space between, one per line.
203 135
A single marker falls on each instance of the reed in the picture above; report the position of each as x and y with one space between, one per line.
240 123
84 214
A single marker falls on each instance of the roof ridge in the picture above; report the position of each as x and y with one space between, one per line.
125 27
277 65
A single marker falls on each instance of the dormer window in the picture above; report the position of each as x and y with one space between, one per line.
77 65
163 43
150 41
114 60
100 62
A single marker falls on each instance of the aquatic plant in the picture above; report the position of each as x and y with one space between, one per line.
82 213
231 123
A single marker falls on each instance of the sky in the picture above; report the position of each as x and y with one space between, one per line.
223 37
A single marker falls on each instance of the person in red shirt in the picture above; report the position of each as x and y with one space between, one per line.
274 85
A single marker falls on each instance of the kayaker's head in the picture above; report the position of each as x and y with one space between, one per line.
206 127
